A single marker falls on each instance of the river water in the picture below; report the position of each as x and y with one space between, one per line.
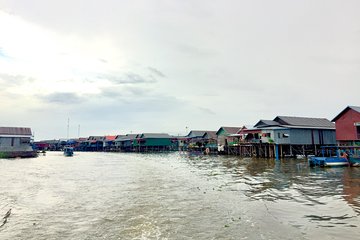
175 196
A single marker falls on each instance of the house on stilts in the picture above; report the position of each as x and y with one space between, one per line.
285 136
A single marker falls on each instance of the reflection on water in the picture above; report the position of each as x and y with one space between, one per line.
171 196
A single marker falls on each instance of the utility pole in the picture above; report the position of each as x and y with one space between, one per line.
67 136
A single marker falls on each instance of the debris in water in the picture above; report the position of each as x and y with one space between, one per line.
7 214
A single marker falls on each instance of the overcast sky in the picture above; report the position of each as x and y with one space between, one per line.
115 67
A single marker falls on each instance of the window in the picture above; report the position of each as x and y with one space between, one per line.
12 141
285 135
279 135
25 140
358 132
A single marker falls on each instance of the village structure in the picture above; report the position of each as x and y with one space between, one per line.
280 137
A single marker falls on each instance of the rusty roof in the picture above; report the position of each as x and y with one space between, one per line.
15 131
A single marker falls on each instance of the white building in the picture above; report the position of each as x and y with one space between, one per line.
16 142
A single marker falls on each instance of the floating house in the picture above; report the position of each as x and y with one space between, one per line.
347 124
154 142
109 143
125 143
226 136
16 142
117 142
195 134
199 140
94 143
296 135
210 140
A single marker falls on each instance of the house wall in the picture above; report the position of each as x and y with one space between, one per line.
299 136
279 137
15 144
152 142
312 136
345 126
221 137
269 139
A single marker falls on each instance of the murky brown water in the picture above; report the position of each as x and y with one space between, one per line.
171 196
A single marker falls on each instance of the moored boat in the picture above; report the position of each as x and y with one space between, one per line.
330 158
68 151
328 161
354 161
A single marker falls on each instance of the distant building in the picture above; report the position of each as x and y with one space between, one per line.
109 143
154 142
201 138
347 124
125 143
16 142
226 136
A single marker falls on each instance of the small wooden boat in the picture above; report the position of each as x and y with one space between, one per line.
68 151
330 158
328 161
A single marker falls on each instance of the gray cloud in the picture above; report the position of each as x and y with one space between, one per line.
11 80
207 111
129 78
156 72
62 98
103 60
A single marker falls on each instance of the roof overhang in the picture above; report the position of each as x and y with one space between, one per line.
10 136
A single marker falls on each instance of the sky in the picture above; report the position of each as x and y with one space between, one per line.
133 66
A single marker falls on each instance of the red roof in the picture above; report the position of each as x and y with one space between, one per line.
110 138
247 131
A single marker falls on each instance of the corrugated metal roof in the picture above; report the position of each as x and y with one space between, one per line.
210 134
305 122
97 138
15 131
355 108
196 133
127 137
119 136
230 130
266 123
154 135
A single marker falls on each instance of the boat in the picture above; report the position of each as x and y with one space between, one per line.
330 158
354 161
68 151
328 161
353 155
